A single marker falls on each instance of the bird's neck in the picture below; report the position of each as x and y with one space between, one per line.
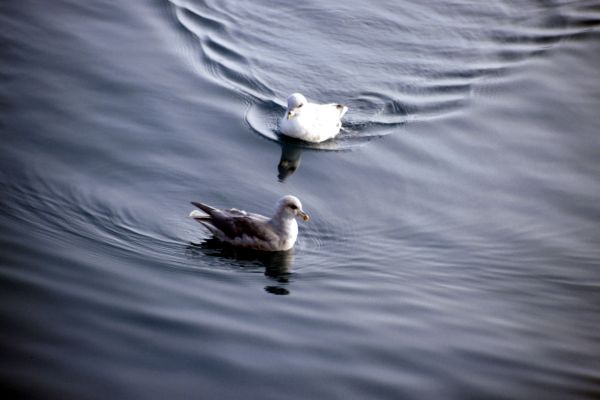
284 223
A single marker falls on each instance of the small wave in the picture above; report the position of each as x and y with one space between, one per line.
64 211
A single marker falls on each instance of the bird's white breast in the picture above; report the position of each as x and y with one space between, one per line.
290 235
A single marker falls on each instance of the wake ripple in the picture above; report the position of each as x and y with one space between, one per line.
329 56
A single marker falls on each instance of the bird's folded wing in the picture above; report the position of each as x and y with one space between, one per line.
235 226
236 223
327 115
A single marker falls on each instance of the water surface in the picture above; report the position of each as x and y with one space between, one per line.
453 248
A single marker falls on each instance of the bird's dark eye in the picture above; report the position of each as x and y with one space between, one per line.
293 207
300 105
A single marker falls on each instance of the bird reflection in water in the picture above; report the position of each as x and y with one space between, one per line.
277 264
291 154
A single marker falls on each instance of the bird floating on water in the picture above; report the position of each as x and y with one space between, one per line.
254 231
311 122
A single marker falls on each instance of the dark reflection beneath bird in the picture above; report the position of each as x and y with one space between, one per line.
289 162
277 264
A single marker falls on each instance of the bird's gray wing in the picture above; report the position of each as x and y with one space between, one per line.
240 225
235 223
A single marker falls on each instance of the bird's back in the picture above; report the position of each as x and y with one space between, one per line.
238 227
315 122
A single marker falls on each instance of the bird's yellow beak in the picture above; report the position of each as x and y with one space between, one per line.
303 215
290 115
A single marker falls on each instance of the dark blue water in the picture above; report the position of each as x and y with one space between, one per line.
454 246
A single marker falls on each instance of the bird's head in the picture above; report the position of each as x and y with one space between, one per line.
294 103
290 206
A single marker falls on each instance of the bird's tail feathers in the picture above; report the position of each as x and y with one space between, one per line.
199 215
342 108
204 207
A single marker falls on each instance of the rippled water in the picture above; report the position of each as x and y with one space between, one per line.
454 244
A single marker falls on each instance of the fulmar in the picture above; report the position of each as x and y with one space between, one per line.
309 121
254 231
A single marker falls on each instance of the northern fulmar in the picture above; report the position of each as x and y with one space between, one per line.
309 121
254 231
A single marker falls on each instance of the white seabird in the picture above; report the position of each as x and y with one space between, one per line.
254 231
311 122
